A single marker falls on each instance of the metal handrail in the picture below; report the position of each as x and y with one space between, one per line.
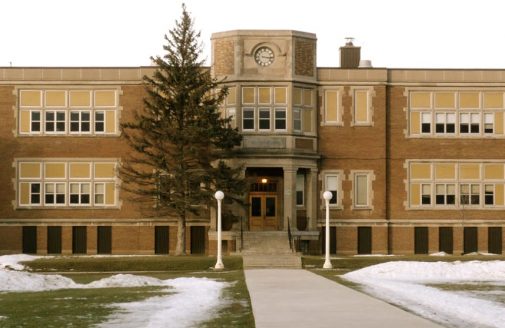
290 237
241 234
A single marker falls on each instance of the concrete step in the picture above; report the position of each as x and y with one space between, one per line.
291 261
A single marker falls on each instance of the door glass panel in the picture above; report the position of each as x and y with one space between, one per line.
255 206
270 206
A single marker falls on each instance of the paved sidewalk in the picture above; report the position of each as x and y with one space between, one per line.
299 298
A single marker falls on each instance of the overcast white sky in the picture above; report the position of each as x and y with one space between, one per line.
391 33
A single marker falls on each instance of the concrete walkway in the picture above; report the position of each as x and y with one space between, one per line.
300 298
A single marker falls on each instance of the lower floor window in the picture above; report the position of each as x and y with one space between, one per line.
79 193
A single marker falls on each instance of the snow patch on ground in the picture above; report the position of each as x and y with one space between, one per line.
403 283
196 300
190 300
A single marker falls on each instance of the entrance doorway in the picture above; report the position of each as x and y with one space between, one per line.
263 211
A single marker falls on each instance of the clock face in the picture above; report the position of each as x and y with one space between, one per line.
264 56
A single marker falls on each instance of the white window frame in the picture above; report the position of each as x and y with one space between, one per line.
284 119
80 121
369 193
40 121
369 109
337 174
80 193
253 111
55 112
338 121
55 193
260 119
297 117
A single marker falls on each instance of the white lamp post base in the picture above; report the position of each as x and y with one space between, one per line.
327 265
219 265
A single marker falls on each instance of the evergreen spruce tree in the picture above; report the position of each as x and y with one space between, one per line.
179 140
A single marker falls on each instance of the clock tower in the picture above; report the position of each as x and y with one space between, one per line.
272 82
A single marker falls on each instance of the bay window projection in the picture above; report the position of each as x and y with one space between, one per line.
456 113
263 109
45 183
67 111
303 110
441 184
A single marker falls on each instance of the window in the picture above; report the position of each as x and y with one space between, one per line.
264 118
54 194
34 193
469 194
59 183
445 194
456 113
67 112
445 123
80 121
248 119
79 193
35 121
489 194
99 193
300 187
332 185
332 112
297 120
280 119
361 193
488 123
99 121
425 122
263 108
55 121
361 108
426 194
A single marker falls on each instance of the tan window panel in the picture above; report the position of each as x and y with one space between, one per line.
110 193
307 97
105 170
105 98
444 100
361 106
307 120
493 171
469 171
415 194
297 96
248 95
420 171
54 170
232 96
420 100
264 95
499 194
29 170
56 98
110 121
24 121
80 98
445 171
469 100
30 98
331 105
493 100
415 122
280 95
80 170
24 193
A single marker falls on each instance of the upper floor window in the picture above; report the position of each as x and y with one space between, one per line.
303 110
456 113
332 114
264 109
362 113
67 111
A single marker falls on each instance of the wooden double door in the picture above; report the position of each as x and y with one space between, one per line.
263 211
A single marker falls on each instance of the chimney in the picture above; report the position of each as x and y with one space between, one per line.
350 55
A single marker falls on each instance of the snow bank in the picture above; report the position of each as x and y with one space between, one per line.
402 283
196 300
190 300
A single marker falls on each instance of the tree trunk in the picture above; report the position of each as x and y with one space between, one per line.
180 248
